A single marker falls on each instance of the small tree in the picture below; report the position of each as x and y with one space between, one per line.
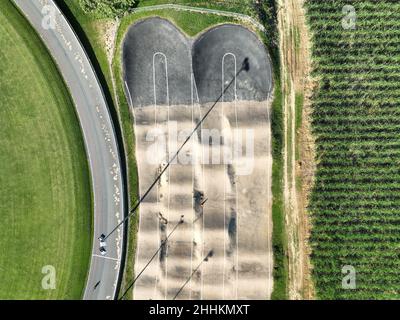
107 8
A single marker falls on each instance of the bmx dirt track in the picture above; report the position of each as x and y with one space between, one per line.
221 182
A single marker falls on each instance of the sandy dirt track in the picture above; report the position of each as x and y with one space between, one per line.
226 204
296 69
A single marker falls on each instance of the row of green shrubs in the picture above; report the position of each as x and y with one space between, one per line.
107 8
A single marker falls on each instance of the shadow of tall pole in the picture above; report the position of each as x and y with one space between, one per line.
208 256
163 243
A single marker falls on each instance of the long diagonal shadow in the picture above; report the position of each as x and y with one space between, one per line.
205 259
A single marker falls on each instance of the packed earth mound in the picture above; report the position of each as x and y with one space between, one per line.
220 184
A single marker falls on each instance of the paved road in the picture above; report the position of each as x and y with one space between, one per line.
99 136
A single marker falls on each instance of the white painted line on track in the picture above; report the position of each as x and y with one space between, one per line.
194 164
169 188
203 187
138 212
193 173
167 151
129 94
154 76
104 257
200 183
236 190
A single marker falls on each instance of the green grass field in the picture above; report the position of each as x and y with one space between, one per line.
45 196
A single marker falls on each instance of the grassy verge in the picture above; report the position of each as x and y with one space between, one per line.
279 241
267 15
239 6
45 195
190 23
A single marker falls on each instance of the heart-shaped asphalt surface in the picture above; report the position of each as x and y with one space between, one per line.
154 45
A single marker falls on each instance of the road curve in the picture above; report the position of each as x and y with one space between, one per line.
100 141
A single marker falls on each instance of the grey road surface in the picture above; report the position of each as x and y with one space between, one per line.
99 135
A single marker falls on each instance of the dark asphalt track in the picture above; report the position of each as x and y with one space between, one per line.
140 47
231 41
185 56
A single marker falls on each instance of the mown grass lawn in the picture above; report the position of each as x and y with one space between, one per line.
45 196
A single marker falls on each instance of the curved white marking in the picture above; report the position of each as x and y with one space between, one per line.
236 190
154 75
158 190
129 94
